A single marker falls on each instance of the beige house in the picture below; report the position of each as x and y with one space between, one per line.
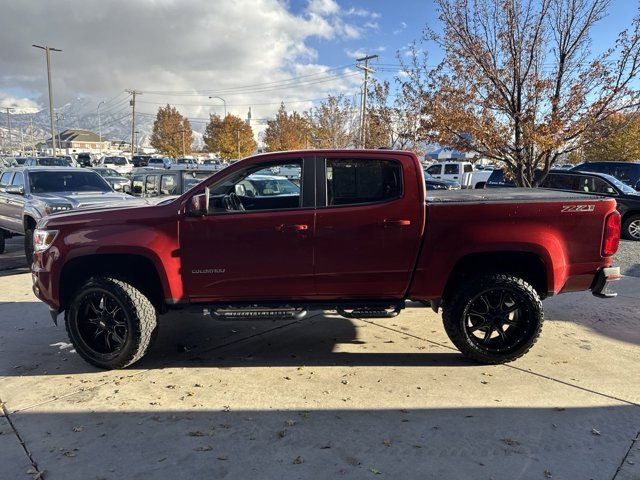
75 140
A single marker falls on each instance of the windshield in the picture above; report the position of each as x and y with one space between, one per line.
53 162
623 187
116 160
106 172
46 182
191 179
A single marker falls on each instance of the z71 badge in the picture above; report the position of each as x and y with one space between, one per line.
578 208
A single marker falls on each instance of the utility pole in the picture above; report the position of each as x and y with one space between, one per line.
132 102
100 127
21 142
363 112
48 49
9 110
58 116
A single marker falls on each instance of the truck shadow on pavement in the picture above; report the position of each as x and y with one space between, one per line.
371 442
32 346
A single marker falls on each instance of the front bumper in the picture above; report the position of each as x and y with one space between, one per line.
600 285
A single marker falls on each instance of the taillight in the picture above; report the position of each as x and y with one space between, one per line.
611 238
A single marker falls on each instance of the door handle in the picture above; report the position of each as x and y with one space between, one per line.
396 223
294 227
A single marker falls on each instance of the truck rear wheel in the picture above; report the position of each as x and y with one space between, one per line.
631 228
110 323
494 318
2 240
28 245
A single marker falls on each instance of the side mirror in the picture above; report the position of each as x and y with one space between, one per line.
126 189
198 205
637 187
241 191
15 189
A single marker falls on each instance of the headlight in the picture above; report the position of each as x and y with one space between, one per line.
42 239
57 208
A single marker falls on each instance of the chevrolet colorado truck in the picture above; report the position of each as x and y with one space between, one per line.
360 236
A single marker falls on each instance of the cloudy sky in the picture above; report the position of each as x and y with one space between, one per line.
250 52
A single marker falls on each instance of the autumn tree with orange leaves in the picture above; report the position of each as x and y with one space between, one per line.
519 82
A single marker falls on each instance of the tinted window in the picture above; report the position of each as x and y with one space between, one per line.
5 178
138 185
151 185
561 182
168 185
18 179
52 162
434 169
451 169
468 168
352 182
61 181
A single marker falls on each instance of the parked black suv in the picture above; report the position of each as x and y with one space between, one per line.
627 172
140 160
627 198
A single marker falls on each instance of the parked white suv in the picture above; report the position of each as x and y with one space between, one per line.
461 172
120 164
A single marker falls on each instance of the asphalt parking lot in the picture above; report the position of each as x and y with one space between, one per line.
324 397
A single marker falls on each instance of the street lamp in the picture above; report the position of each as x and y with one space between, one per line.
223 101
100 127
48 49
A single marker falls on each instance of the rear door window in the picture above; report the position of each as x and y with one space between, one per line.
352 182
560 182
468 168
451 169
18 180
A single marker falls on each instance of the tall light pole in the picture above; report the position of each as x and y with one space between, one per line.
48 49
223 101
100 127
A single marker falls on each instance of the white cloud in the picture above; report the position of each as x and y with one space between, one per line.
361 52
403 26
20 105
361 12
323 7
166 45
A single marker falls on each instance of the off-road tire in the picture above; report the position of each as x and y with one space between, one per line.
28 245
626 225
454 321
142 323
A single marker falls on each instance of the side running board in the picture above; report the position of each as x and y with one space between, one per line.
371 312
254 313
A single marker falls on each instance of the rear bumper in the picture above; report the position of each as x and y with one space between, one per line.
600 285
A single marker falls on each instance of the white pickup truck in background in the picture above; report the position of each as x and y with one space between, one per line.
462 172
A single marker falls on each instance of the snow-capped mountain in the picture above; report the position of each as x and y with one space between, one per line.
82 113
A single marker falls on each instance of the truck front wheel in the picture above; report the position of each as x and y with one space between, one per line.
110 323
493 318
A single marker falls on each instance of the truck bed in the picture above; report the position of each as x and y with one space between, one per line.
500 195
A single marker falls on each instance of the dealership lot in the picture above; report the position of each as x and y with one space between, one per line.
325 397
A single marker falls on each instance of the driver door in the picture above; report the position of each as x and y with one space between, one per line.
264 252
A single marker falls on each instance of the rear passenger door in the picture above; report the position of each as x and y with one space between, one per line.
14 205
368 226
5 219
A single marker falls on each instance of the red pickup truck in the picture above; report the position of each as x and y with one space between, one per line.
352 231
